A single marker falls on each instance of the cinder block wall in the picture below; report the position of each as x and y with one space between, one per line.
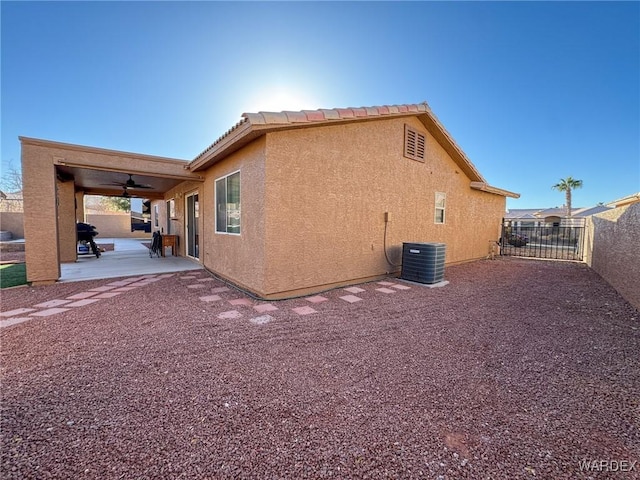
613 249
12 222
114 225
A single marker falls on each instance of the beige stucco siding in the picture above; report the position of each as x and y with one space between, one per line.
240 258
40 214
67 235
328 188
612 249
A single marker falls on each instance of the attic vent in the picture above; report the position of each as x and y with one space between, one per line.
414 144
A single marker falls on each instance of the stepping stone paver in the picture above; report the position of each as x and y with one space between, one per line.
52 303
206 279
401 287
108 295
13 321
49 311
317 299
187 277
354 290
82 303
231 314
265 307
304 310
17 311
385 283
124 289
121 283
385 290
351 298
196 285
241 301
102 289
261 320
82 295
211 298
219 289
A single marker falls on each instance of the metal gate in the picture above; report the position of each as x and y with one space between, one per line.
561 241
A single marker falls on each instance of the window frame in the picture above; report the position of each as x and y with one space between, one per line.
226 202
438 208
415 144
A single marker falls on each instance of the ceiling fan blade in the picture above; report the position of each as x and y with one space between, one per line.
131 183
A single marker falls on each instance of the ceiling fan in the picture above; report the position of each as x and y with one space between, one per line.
130 183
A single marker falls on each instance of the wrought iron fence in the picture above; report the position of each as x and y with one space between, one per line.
561 242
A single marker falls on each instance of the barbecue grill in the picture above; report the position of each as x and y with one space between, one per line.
86 233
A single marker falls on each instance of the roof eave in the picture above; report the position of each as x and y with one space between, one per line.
484 187
235 140
442 136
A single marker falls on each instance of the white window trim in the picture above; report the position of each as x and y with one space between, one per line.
437 208
215 206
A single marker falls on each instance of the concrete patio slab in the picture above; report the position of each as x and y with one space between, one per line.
129 257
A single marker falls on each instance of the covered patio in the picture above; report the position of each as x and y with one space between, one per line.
57 176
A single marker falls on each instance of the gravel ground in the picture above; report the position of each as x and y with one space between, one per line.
518 369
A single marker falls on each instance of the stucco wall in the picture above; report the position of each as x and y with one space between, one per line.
176 225
613 249
328 188
67 238
240 258
12 222
40 214
114 225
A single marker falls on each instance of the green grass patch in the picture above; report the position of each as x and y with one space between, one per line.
13 274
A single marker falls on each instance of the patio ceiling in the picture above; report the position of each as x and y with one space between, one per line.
94 181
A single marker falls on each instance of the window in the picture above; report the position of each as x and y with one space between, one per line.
440 205
228 204
414 144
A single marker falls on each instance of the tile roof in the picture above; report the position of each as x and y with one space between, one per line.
321 115
579 212
253 125
324 115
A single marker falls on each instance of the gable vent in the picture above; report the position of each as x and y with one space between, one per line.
414 144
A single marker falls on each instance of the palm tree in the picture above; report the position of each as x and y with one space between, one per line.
566 185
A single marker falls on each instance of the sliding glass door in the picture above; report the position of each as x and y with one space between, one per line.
191 225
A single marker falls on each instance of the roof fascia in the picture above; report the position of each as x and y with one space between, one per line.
484 187
236 139
442 136
83 148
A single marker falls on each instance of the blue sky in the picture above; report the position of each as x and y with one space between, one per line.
531 91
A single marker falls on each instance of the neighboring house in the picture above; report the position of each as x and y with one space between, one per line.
11 201
550 217
292 203
11 215
628 200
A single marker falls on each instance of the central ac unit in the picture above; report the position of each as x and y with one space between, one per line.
423 262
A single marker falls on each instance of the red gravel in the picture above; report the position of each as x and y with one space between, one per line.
516 369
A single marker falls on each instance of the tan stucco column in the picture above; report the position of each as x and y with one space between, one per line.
40 215
80 207
67 238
